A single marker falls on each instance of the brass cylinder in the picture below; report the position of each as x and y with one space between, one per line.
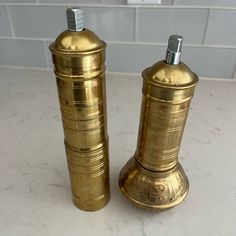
79 66
154 178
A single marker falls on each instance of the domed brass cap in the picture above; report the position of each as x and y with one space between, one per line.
79 52
75 42
164 74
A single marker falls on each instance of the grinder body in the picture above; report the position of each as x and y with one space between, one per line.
154 178
79 66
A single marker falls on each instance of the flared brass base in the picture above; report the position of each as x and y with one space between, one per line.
153 190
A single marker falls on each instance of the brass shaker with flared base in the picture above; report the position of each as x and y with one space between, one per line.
154 178
79 65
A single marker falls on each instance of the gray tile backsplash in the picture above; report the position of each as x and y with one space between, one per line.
71 1
136 35
17 1
221 27
221 3
38 21
206 62
132 58
210 62
157 24
119 2
4 24
22 53
167 2
110 23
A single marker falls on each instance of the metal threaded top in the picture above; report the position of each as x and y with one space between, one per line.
173 52
75 19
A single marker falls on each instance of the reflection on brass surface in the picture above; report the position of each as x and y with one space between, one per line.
154 178
79 65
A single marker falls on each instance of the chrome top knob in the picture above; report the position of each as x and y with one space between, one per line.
75 19
173 52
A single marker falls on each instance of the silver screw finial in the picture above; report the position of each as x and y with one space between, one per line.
75 19
173 52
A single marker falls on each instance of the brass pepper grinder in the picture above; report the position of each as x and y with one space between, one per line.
154 178
79 65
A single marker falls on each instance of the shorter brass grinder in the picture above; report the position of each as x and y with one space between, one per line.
154 178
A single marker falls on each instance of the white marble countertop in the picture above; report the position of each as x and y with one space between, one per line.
35 197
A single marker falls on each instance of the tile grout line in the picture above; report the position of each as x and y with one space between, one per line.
45 48
12 29
204 39
130 43
234 72
27 38
120 5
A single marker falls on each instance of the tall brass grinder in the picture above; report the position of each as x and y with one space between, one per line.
154 178
79 65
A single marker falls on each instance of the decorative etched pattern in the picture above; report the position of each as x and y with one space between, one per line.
159 190
161 129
